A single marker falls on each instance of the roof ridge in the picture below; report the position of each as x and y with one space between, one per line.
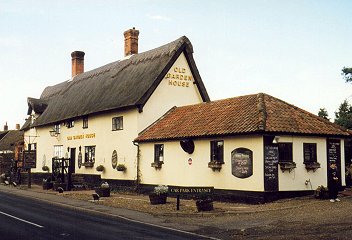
310 114
262 114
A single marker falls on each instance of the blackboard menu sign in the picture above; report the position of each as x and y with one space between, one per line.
333 147
242 162
271 159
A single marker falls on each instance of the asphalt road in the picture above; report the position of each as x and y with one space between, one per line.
29 219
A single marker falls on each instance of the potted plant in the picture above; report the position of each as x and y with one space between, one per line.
103 190
45 168
121 167
159 195
47 184
204 203
100 168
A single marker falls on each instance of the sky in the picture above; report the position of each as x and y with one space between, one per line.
292 50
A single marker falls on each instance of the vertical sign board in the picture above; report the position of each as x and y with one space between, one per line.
242 162
271 160
334 155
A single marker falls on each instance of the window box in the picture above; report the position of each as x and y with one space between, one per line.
88 164
215 165
157 164
284 166
312 166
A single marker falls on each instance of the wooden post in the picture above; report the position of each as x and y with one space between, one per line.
178 203
29 178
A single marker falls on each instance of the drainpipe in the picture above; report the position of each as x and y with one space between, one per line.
138 170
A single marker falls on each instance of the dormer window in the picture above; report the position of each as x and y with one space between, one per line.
57 128
70 123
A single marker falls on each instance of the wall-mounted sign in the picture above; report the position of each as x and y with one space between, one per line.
242 162
81 136
114 159
80 159
179 77
187 145
190 161
178 190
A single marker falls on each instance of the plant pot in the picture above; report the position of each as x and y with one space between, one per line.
103 192
157 198
204 205
48 185
57 185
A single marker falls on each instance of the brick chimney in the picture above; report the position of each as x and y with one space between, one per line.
77 62
131 41
6 128
18 127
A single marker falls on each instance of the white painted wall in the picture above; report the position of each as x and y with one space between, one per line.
167 95
177 171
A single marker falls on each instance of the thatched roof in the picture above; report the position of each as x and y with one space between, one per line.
127 83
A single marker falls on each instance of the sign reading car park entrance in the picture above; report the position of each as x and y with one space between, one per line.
195 191
177 190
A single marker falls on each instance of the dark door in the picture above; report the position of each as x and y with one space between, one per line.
333 147
72 160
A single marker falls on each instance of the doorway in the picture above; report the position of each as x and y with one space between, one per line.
73 160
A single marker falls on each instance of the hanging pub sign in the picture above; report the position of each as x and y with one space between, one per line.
30 159
242 162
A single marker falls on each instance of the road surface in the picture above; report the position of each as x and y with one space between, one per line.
30 219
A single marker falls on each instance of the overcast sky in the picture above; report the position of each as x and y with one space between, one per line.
292 50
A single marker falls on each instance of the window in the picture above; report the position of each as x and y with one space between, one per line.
58 151
285 152
85 122
70 123
217 151
57 128
89 155
159 153
117 123
309 152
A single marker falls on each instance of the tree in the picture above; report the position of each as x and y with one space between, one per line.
323 113
343 116
347 74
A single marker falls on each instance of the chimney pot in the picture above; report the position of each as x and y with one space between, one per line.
77 62
131 41
18 126
6 128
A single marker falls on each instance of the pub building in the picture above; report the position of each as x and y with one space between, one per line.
253 148
147 120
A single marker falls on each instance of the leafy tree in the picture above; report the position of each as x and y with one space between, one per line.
347 74
343 116
323 113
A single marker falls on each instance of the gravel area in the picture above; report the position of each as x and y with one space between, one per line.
298 218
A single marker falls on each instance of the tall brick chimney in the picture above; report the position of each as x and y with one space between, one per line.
6 128
18 127
131 41
77 62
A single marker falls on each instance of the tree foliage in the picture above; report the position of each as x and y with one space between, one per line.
323 113
347 74
343 116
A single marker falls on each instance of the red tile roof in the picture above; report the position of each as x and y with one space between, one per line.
257 113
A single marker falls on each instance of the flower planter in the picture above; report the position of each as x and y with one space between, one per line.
88 164
204 205
216 166
312 166
121 168
48 185
157 198
58 185
103 192
284 166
